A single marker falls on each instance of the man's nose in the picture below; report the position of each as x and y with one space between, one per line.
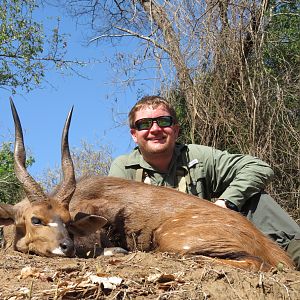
155 126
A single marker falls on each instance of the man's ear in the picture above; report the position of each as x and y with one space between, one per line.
176 129
85 224
7 214
133 134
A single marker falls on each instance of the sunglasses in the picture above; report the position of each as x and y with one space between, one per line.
146 123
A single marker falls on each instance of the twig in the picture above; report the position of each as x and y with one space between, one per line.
130 258
30 290
231 285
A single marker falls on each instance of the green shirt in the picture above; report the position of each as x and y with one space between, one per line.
208 172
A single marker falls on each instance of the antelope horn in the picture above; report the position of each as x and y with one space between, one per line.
33 190
68 185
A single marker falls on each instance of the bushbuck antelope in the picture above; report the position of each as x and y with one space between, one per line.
137 216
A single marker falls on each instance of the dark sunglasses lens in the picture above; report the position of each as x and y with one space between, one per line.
143 124
165 121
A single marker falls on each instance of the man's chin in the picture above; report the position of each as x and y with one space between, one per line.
158 149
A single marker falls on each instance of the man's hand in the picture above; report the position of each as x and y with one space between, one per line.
221 202
226 204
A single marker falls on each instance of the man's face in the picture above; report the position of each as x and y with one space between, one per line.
155 140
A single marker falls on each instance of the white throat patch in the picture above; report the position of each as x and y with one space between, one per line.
53 224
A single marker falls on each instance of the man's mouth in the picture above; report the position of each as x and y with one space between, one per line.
157 139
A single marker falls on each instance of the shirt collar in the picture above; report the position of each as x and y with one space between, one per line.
135 159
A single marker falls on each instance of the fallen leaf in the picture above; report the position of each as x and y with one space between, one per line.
161 278
107 282
29 272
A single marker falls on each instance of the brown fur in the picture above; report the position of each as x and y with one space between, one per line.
148 218
40 239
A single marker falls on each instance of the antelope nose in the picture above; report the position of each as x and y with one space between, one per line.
67 247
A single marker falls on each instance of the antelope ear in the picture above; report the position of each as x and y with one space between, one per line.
7 214
85 224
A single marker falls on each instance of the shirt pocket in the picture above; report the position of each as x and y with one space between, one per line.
197 180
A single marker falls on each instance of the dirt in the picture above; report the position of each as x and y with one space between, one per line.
137 276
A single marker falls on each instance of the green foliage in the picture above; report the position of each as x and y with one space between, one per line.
283 36
23 45
282 51
10 188
179 103
21 42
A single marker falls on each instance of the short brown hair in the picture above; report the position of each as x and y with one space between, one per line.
152 101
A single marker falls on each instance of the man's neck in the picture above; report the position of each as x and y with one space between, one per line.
159 162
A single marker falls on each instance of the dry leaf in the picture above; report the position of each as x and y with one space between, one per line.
29 272
107 282
161 278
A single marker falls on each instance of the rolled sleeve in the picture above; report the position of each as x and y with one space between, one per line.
238 177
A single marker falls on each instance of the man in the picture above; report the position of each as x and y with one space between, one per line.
236 181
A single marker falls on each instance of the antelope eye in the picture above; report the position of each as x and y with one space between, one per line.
36 221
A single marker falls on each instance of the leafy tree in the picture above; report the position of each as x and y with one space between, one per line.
25 49
282 48
10 189
283 36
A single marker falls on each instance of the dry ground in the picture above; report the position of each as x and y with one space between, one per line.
137 276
